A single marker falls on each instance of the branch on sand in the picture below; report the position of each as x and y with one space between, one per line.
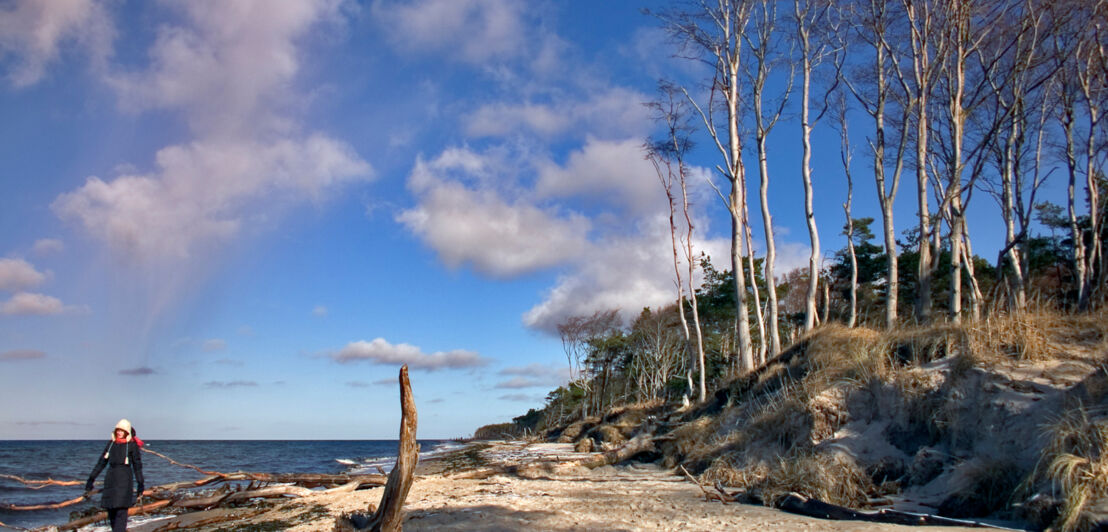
390 515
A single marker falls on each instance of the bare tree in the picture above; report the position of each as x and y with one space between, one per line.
1092 80
659 353
872 88
668 158
806 17
1017 86
918 81
763 46
713 34
576 332
1066 46
846 155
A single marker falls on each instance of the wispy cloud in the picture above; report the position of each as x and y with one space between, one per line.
380 351
47 246
137 372
21 354
53 423
214 344
319 310
533 376
521 398
473 31
230 384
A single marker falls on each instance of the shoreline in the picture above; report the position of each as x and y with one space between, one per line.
511 485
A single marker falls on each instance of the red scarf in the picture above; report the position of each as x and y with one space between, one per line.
121 441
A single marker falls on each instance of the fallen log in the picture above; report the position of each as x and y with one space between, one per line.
642 443
799 504
101 516
47 505
389 516
195 520
235 496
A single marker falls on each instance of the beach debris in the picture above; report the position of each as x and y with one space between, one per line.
103 516
389 516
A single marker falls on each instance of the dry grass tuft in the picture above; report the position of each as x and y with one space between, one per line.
1022 336
831 478
690 438
785 424
838 354
1076 464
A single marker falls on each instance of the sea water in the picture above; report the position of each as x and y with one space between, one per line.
74 460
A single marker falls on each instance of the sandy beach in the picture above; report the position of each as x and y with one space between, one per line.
545 490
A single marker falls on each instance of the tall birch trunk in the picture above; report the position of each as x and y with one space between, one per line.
802 32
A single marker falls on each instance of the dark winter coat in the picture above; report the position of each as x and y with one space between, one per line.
124 462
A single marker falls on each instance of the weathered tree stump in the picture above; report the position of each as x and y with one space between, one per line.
389 516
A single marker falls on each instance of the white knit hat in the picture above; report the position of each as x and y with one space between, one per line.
125 426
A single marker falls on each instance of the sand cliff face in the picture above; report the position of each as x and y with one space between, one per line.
959 421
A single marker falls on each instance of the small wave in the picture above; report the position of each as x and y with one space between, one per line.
346 461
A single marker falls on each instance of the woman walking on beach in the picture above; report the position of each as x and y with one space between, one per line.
124 462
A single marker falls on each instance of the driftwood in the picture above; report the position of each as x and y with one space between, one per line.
39 484
73 525
389 516
799 504
642 443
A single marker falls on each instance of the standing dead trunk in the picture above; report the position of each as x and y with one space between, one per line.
390 515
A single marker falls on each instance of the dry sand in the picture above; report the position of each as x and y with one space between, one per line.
554 495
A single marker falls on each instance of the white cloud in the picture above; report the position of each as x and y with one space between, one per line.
228 65
33 33
17 274
229 69
475 209
474 31
476 225
790 256
202 192
380 351
319 310
214 344
626 273
47 246
31 304
614 170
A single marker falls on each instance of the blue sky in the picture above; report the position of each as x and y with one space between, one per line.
236 219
